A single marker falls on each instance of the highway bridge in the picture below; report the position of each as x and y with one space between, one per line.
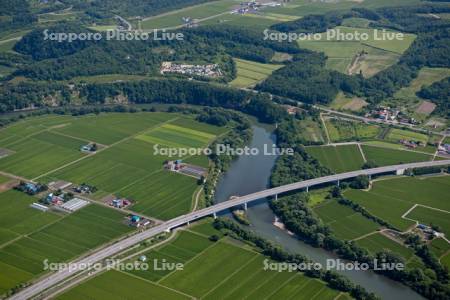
52 279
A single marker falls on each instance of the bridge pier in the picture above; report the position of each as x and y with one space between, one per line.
370 177
245 206
215 215
307 189
276 197
400 171
338 183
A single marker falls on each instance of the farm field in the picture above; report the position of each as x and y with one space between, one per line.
342 102
430 216
338 159
212 270
439 247
344 221
261 21
174 19
101 288
378 242
380 54
250 73
29 236
127 162
310 131
341 130
426 77
385 156
400 194
395 135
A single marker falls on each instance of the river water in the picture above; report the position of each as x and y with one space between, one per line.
249 174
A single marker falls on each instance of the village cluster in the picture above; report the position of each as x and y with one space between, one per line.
388 114
253 6
208 70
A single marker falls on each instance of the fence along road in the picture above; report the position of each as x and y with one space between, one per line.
52 279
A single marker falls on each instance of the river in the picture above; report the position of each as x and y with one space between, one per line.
249 174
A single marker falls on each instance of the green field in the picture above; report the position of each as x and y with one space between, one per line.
47 148
380 53
430 216
341 130
101 287
395 135
390 199
344 222
439 247
385 156
338 159
378 242
174 18
222 270
250 73
310 131
28 237
426 77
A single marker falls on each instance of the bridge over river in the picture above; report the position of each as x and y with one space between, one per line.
54 278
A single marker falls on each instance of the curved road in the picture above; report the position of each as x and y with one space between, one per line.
110 250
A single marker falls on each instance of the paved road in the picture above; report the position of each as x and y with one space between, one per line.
110 250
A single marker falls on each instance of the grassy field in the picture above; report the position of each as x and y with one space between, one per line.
127 165
390 199
342 102
338 159
395 135
250 73
341 130
222 270
344 221
311 131
380 54
385 156
28 237
426 77
432 217
378 242
439 247
174 18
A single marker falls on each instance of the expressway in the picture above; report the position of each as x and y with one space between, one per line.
110 250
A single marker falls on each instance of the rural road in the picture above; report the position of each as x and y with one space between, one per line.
110 250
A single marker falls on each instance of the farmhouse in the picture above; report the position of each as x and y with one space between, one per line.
89 148
186 169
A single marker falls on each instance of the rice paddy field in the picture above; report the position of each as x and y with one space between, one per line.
431 216
250 73
28 236
338 159
386 156
389 199
212 270
344 222
126 164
